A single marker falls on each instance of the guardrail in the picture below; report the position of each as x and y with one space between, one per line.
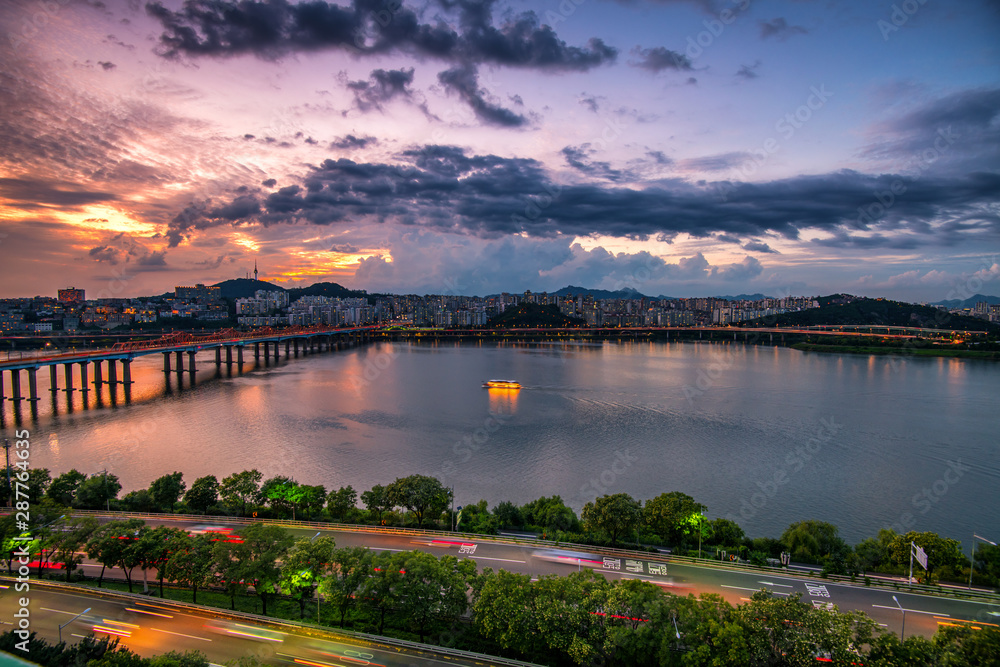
385 643
923 589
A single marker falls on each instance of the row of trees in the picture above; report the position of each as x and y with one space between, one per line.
670 519
93 652
578 619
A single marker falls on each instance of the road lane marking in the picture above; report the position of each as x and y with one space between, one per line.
59 611
914 611
506 560
181 634
151 613
741 588
771 583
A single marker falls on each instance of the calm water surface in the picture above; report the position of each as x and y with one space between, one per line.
764 435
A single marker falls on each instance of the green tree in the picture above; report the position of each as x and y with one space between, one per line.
278 492
425 496
304 567
508 515
66 545
503 611
350 568
204 493
113 545
726 533
341 503
667 515
241 489
941 551
381 589
812 541
193 563
434 590
154 548
309 499
870 553
97 491
616 515
476 518
377 501
178 659
167 490
33 488
63 488
550 514
254 561
138 501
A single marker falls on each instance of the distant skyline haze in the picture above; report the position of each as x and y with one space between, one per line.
678 147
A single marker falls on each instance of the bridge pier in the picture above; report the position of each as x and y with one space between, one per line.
295 344
113 375
166 362
32 389
180 361
84 387
53 381
68 376
277 354
15 386
288 346
191 364
218 356
126 372
98 376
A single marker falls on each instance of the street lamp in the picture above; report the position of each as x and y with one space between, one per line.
70 621
972 559
903 629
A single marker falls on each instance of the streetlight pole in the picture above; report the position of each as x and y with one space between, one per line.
903 629
972 558
70 621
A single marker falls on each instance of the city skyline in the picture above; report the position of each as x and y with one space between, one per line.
685 148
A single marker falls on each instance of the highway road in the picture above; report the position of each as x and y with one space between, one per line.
151 627
923 613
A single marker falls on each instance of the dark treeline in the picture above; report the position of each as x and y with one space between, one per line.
579 619
674 520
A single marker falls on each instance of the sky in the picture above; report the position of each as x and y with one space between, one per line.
676 147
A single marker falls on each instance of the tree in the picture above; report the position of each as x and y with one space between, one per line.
309 499
204 493
668 513
254 560
192 562
167 490
434 590
503 611
177 659
63 488
870 554
97 491
341 503
154 548
508 515
241 489
33 488
813 541
377 501
422 495
113 545
278 492
476 518
66 545
350 567
551 514
138 501
941 551
726 533
305 566
380 590
617 515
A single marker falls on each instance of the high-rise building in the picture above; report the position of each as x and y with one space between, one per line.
72 295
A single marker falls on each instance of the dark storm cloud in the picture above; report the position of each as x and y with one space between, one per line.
464 81
106 65
443 188
350 141
780 29
578 157
757 246
659 58
382 86
27 193
272 28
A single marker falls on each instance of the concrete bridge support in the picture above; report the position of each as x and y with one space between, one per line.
256 350
68 377
218 356
32 385
277 354
180 360
288 347
191 365
229 355
166 362
84 386
98 376
295 345
112 375
126 372
53 379
15 386
239 355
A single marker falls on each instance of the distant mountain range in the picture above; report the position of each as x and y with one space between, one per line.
244 288
630 293
970 302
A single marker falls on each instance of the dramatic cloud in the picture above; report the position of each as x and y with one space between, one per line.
382 86
440 187
779 29
464 81
31 194
578 157
272 28
659 58
350 141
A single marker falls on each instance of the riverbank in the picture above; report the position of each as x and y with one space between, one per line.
990 355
